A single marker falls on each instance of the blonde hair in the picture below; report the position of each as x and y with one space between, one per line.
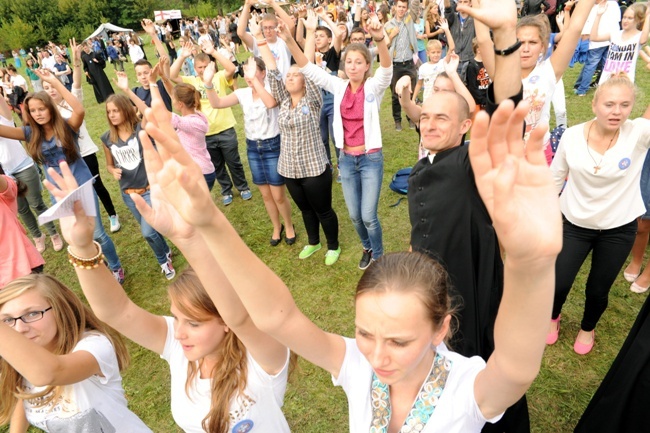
72 317
639 10
229 376
616 79
434 43
539 22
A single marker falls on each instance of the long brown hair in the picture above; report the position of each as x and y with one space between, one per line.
73 318
62 132
129 115
188 95
229 375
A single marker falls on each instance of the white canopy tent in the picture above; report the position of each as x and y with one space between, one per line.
103 30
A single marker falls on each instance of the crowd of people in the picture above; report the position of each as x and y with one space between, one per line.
458 324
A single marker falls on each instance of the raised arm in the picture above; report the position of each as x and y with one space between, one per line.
282 15
250 75
336 33
564 52
175 69
244 17
229 100
451 68
149 27
501 17
403 90
262 45
376 30
78 111
228 66
75 50
518 191
122 82
595 35
264 295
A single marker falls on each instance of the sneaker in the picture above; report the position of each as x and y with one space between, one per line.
40 243
366 259
119 275
168 270
308 251
398 126
169 255
57 242
246 194
331 256
115 223
226 199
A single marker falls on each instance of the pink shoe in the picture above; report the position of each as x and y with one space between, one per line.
552 336
583 349
39 242
57 242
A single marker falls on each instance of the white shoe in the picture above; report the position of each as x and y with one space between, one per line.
115 223
40 243
168 270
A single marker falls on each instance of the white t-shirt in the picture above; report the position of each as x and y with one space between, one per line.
280 52
86 144
96 404
48 63
456 412
135 52
609 23
260 123
539 87
228 54
611 197
621 56
204 37
260 410
428 72
13 156
18 81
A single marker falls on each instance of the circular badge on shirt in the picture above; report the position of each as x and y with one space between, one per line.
370 98
243 426
624 163
533 79
305 109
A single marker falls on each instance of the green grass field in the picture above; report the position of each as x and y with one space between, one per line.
312 405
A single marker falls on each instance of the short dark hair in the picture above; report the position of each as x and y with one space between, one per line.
142 62
327 31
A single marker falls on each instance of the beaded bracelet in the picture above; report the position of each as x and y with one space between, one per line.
86 263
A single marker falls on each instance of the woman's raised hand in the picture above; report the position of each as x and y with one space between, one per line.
77 230
76 50
47 76
451 63
255 28
283 31
187 50
122 81
207 47
516 185
496 14
250 70
311 22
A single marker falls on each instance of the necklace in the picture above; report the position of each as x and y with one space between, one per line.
597 164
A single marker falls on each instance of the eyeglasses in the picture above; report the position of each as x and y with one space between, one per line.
268 29
32 316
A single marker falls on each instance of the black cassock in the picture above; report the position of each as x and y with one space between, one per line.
450 223
98 79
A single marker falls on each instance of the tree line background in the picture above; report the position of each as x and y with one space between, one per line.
28 23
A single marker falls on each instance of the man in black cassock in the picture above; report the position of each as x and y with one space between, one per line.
94 64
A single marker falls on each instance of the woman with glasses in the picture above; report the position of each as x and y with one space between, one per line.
59 364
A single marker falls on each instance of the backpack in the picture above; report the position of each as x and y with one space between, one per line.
400 181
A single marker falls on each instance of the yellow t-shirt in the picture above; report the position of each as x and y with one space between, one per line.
219 119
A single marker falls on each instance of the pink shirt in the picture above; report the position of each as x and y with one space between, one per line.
191 130
352 116
18 256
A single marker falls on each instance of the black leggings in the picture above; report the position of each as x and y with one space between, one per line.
609 249
313 196
100 189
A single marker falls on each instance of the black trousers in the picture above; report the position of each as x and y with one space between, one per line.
100 189
313 196
399 70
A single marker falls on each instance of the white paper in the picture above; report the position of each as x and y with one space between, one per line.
63 208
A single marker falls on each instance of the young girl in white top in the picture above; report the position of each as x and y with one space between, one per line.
402 306
602 159
625 43
227 375
59 364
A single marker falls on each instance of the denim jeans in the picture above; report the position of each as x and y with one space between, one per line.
153 238
609 250
32 200
361 178
593 58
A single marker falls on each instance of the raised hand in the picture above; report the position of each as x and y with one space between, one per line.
443 24
451 63
495 14
148 26
76 50
250 70
207 47
46 75
208 73
187 50
77 230
122 81
403 83
283 31
311 22
375 28
255 28
516 185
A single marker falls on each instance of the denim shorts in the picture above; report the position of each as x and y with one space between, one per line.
263 158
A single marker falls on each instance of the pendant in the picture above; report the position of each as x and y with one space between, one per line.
596 168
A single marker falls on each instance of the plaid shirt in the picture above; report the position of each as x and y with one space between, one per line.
302 153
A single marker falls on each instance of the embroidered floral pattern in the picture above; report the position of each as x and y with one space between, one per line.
425 402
